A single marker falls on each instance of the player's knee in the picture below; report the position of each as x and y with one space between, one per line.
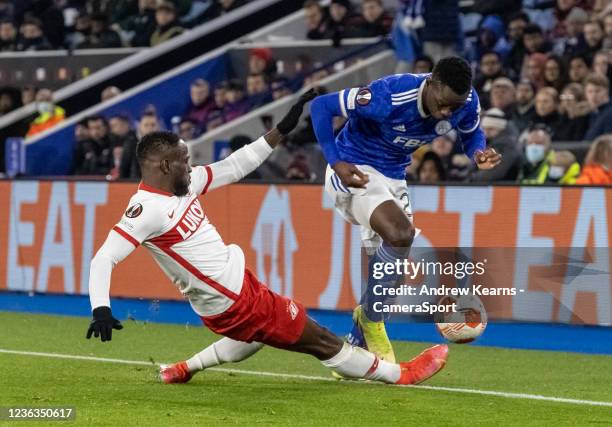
401 236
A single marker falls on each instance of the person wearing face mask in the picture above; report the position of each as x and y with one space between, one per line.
542 165
598 163
49 114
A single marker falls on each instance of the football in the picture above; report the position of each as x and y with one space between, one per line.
465 324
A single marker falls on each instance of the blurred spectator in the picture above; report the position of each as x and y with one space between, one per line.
601 64
555 74
93 156
516 27
598 163
534 71
51 19
423 64
431 170
141 27
375 21
542 165
279 87
489 69
121 135
8 36
258 90
593 36
574 111
109 92
340 19
597 91
100 36
221 7
455 166
10 99
167 25
317 25
573 40
502 136
607 44
578 69
81 132
442 32
535 40
216 116
82 30
490 38
298 169
32 37
261 61
7 10
201 103
546 102
49 114
503 95
129 164
237 105
504 8
523 111
28 93
188 130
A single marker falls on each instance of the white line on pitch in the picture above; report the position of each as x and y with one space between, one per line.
319 378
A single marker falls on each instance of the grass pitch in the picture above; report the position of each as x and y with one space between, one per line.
106 393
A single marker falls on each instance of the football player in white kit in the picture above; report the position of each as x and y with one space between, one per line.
166 217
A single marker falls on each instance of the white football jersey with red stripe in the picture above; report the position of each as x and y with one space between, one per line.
185 244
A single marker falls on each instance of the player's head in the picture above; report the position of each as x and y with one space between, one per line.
448 87
164 160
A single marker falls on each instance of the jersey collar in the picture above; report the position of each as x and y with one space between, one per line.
144 187
420 100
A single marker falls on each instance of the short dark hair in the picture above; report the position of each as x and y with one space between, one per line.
455 73
519 16
424 58
95 118
532 29
155 142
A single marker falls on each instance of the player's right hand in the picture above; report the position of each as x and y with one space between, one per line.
350 175
103 324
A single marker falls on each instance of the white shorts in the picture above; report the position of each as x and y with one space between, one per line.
357 204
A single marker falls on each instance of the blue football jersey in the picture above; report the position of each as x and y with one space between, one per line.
387 123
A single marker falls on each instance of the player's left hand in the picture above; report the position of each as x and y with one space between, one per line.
103 324
487 159
290 121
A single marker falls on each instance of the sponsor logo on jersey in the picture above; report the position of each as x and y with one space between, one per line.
364 96
134 211
443 127
400 128
293 310
191 220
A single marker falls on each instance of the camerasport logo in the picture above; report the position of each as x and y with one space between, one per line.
134 210
364 96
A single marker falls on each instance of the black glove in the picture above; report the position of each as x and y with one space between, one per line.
103 324
290 121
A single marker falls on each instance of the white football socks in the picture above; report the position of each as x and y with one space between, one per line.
223 351
355 362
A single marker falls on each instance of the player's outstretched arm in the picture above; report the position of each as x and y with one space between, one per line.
245 160
113 251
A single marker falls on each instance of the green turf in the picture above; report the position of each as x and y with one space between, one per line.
120 395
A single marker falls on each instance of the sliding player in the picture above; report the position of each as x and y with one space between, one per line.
387 121
166 217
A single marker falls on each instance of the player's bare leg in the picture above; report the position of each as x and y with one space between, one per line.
357 363
349 361
391 223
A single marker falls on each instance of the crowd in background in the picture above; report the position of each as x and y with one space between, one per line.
31 25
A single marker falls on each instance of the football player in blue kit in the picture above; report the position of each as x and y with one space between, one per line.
387 121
